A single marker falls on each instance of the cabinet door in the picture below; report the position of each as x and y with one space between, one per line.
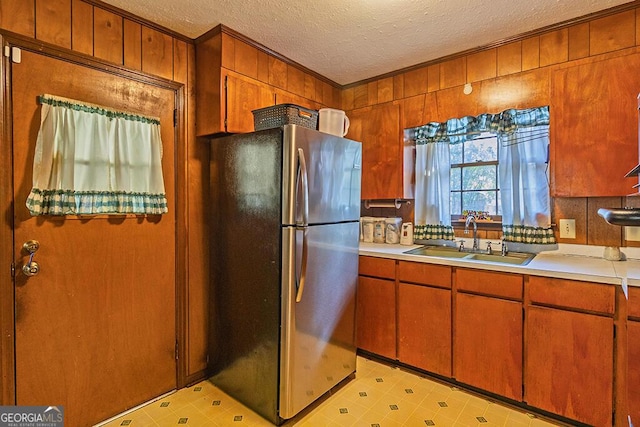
244 95
633 381
378 128
488 344
376 316
594 118
569 364
424 328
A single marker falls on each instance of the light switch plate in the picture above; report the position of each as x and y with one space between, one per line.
567 228
632 234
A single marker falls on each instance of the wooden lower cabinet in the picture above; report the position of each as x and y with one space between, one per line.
424 327
569 364
633 369
376 316
488 344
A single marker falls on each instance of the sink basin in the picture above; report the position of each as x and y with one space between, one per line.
514 258
443 252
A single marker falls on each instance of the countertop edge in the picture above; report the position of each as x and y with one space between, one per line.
560 266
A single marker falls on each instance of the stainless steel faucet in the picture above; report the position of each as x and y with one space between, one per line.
470 219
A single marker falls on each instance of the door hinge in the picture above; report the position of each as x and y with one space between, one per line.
175 117
13 270
177 351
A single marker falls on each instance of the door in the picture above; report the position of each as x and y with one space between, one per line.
379 130
95 328
486 356
569 364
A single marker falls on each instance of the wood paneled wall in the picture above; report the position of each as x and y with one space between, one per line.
103 32
515 74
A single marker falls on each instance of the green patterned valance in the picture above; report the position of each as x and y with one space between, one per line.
57 101
527 234
433 232
465 128
60 202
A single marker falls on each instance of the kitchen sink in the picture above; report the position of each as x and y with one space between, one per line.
439 251
514 258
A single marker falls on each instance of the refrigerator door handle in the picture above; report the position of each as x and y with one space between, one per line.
304 183
303 224
303 267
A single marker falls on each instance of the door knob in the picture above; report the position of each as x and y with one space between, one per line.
31 268
31 246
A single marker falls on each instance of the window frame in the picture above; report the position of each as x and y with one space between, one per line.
495 219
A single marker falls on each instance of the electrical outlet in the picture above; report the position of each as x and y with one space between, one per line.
632 234
567 228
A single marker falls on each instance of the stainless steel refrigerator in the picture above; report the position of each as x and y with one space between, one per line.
284 218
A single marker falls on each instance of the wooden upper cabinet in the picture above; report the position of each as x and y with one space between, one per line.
594 124
378 128
243 95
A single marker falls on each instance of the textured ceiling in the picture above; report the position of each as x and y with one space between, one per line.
352 40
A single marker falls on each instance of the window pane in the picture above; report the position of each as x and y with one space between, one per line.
455 153
456 203
481 150
456 179
484 201
479 178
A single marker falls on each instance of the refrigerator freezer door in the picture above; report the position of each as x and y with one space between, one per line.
318 336
333 167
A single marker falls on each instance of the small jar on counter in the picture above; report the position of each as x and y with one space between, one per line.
378 230
367 228
392 230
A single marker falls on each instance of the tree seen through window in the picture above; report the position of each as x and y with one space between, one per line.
474 176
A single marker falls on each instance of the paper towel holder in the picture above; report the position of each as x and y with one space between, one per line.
395 203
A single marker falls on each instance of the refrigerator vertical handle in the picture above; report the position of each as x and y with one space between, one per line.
302 225
304 183
303 267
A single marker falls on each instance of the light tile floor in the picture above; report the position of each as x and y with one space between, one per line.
379 396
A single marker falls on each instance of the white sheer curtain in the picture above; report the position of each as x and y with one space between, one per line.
432 206
93 160
524 189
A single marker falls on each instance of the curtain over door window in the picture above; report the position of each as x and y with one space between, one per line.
94 160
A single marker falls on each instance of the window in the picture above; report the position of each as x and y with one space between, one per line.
474 177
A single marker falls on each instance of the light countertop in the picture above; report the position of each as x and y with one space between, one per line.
574 262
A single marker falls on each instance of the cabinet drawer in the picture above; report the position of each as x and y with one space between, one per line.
502 285
585 296
425 274
634 302
377 267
